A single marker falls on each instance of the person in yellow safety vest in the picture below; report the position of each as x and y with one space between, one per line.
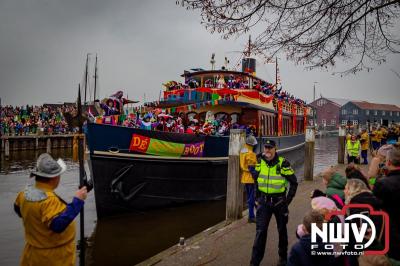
353 150
364 140
48 220
273 174
249 158
375 139
384 133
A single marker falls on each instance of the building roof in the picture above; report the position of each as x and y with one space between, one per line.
376 106
339 101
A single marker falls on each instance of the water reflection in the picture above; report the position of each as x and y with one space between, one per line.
130 239
20 162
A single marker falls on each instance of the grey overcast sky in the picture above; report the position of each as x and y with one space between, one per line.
140 45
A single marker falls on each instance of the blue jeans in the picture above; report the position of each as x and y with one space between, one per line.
375 145
364 155
250 199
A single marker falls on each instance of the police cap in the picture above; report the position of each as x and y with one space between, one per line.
270 144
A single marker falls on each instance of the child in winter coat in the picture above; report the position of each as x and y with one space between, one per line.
334 182
301 253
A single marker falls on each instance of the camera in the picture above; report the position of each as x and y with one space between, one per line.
88 183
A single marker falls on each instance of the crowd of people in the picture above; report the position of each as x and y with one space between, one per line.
26 120
377 185
158 120
357 146
237 82
32 120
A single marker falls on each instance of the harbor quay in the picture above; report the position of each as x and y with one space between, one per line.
10 144
231 243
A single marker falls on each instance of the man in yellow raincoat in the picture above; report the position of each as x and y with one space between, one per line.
249 158
48 220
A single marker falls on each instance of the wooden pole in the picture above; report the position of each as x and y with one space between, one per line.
1 149
234 194
341 143
7 149
309 154
36 143
48 146
82 242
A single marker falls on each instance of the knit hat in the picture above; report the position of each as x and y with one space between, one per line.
319 203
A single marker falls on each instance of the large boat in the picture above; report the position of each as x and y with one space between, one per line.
135 169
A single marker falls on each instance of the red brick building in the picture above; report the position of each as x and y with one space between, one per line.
327 112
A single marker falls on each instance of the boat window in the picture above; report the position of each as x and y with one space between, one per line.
270 125
202 117
234 118
221 116
262 125
191 116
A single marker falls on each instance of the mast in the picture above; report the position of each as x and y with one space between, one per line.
95 80
86 76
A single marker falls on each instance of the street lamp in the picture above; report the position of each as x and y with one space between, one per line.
314 113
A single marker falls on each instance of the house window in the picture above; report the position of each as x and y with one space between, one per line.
321 102
398 113
366 112
383 113
375 112
344 122
344 112
391 113
333 122
355 111
323 122
355 122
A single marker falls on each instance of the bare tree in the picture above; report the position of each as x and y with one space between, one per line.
311 32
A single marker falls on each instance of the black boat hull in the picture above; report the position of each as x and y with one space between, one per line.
127 182
124 183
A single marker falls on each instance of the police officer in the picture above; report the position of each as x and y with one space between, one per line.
272 174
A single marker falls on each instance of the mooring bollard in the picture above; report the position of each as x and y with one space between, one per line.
309 154
341 144
234 193
48 145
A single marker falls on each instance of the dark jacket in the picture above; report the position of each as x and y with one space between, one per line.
300 254
387 189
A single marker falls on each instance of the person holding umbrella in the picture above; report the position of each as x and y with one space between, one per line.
48 220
